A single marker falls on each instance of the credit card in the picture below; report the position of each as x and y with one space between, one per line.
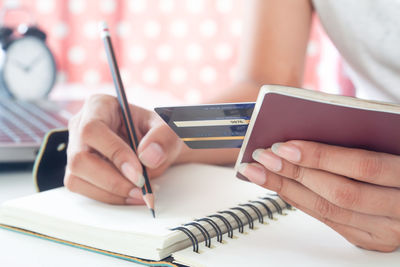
209 126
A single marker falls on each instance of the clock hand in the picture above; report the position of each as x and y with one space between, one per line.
20 65
33 62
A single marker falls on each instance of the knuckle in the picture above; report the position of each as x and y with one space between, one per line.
346 195
88 130
370 167
101 99
396 209
76 160
325 209
70 182
394 230
298 173
281 187
118 153
113 186
320 156
94 98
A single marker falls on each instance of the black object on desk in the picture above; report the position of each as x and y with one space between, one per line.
49 167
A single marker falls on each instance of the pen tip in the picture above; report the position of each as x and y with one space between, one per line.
154 214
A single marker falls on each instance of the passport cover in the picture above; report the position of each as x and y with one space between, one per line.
285 113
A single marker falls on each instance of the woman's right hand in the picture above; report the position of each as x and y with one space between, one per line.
100 162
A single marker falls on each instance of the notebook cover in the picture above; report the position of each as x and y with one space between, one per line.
282 118
92 249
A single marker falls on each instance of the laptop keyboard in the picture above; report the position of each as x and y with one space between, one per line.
24 122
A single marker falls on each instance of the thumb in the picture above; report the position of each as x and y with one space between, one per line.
160 146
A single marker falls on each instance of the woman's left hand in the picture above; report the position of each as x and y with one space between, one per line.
355 192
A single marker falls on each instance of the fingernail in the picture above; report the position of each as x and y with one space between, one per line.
152 156
135 197
136 193
134 176
268 159
287 151
254 174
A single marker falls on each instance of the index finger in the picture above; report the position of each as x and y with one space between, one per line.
363 165
101 138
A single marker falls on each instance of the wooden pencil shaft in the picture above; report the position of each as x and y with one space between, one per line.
120 93
126 114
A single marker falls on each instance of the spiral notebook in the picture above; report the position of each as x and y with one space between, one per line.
221 220
194 203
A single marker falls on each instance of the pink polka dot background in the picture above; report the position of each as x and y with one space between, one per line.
186 47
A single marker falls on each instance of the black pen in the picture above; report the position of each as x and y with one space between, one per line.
126 114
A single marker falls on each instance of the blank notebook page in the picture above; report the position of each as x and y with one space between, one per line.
184 193
293 240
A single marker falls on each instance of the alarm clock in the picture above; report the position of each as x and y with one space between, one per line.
27 66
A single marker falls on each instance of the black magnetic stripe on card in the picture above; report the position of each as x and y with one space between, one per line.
223 111
211 131
214 138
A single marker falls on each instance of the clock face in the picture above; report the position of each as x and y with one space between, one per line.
29 69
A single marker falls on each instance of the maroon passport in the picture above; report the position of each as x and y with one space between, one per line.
286 113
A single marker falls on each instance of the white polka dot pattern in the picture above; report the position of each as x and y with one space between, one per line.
107 6
150 75
137 53
178 75
45 6
208 28
164 52
77 6
178 28
137 6
90 29
152 29
91 76
186 47
166 6
194 52
60 30
76 55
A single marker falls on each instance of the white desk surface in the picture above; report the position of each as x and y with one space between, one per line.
20 250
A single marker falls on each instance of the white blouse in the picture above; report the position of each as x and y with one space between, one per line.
367 34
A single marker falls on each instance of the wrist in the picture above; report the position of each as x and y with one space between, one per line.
208 156
185 155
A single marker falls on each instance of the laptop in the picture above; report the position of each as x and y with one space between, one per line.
24 124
